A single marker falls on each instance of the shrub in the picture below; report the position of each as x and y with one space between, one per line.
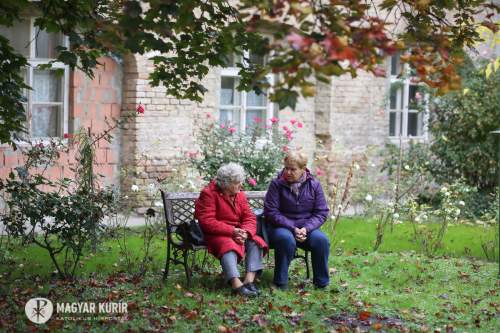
63 216
461 123
260 150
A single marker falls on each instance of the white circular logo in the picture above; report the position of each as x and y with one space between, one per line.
39 310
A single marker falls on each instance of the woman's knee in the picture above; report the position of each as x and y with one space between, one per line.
284 238
319 240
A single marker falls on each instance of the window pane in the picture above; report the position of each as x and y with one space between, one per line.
45 120
255 117
19 36
392 124
228 93
414 124
415 97
46 43
396 64
396 96
46 86
256 59
230 117
254 99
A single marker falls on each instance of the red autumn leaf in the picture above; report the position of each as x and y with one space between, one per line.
364 315
191 315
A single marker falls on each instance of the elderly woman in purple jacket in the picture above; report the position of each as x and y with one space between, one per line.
295 208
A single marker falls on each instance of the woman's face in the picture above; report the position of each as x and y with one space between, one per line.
293 172
233 188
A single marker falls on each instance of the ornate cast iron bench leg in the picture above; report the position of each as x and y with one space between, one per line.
167 262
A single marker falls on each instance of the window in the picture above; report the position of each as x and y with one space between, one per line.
405 100
240 108
47 103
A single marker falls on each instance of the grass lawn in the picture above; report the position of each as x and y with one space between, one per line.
395 289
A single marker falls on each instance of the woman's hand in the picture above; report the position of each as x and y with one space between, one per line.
239 235
300 234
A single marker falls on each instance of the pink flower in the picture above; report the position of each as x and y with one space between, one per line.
285 128
319 172
289 136
379 71
222 126
418 96
231 130
209 115
285 149
140 109
299 124
257 120
293 121
252 182
192 154
297 41
68 135
274 120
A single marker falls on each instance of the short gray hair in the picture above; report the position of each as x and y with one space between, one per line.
228 174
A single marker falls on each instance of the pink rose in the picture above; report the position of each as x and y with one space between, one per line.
140 109
252 182
299 124
274 120
222 126
293 121
231 130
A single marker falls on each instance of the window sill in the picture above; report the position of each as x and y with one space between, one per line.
407 139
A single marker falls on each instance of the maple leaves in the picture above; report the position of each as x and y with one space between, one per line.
323 39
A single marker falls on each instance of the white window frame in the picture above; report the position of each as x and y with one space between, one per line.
232 72
63 125
403 112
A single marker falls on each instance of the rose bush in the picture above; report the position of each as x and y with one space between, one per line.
260 150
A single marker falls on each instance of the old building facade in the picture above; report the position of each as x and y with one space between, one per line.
339 123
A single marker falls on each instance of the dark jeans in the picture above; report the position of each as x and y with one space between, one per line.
284 244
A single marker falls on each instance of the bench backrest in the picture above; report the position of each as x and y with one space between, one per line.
179 206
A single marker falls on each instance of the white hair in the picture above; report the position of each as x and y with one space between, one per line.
228 174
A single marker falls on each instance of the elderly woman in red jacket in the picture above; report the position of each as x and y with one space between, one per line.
229 227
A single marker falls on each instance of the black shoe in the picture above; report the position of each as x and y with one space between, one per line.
251 286
320 287
244 291
280 286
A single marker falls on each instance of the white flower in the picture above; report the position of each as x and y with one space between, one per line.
424 217
447 194
407 167
368 198
125 197
373 165
461 203
395 216
356 166
444 189
134 188
457 211
417 219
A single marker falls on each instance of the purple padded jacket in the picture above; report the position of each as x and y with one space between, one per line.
282 208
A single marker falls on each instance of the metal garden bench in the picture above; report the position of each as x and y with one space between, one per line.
179 209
